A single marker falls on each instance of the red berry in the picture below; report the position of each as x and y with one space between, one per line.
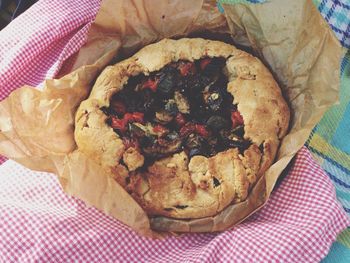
187 129
180 119
204 63
137 117
127 116
161 130
151 84
133 117
236 119
201 130
118 124
187 68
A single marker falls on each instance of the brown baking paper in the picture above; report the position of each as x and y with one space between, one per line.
36 127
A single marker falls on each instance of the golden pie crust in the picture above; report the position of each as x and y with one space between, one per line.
177 186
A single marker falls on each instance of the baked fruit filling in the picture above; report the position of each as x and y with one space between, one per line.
184 106
165 126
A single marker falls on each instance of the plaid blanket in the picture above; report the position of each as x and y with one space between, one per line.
329 141
330 145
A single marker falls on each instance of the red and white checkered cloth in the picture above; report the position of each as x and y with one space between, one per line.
34 46
40 223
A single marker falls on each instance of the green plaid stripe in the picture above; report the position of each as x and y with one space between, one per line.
330 144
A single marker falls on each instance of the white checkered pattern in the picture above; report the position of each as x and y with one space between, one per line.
39 223
34 46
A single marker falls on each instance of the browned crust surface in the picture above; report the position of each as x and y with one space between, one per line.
176 186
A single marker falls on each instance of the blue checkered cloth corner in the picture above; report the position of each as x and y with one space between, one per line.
337 14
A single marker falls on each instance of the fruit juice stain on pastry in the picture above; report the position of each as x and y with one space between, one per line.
183 107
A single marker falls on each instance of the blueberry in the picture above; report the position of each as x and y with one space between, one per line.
194 151
167 82
171 108
216 123
194 141
242 145
148 140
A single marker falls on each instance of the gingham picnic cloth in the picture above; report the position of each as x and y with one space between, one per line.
39 223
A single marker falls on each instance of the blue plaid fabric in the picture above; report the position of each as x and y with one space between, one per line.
337 14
